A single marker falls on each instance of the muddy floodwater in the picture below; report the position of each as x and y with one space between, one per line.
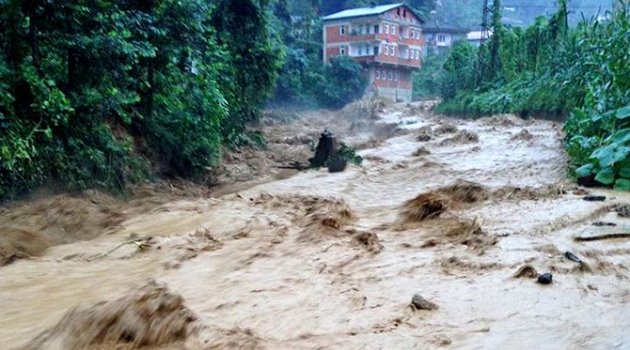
448 209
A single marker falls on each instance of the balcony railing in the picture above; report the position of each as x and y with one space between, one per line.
389 60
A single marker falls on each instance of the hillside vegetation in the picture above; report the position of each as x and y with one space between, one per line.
550 68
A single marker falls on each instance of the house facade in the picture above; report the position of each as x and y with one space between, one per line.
440 37
387 40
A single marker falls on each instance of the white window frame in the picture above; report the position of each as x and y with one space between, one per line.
390 75
392 29
392 50
441 36
342 29
342 50
378 74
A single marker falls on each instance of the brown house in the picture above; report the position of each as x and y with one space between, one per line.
387 40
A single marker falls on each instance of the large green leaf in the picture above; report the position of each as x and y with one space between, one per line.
609 155
621 136
623 113
622 184
585 170
625 171
606 176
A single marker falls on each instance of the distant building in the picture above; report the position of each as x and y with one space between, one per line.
476 37
387 40
441 37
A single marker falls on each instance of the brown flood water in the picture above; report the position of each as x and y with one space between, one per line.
319 260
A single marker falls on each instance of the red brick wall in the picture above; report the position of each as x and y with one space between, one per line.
334 36
331 51
404 78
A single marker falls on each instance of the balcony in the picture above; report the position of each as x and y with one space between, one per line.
390 60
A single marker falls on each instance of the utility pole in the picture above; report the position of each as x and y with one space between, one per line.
489 27
485 34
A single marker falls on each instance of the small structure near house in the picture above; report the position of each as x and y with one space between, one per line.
387 40
440 37
476 37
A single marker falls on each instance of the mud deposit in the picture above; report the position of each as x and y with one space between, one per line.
463 219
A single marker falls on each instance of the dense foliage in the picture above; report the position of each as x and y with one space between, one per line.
551 68
101 93
305 80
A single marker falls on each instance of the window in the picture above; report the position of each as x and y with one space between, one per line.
392 29
376 29
342 50
392 50
375 50
391 76
441 38
398 11
378 74
405 13
396 76
342 30
386 28
360 50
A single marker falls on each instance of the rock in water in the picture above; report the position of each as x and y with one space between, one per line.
545 278
326 149
594 198
572 257
421 303
526 271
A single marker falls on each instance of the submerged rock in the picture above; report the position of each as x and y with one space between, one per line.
545 278
526 271
420 303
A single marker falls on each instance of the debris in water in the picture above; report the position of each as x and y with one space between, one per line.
545 278
623 211
149 317
424 134
526 271
446 128
421 151
463 136
369 241
420 303
602 237
326 149
572 257
470 233
524 135
425 206
602 223
465 192
423 138
594 198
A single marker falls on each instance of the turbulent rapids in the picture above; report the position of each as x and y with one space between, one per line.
459 215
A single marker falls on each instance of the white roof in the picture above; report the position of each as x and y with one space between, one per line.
366 11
